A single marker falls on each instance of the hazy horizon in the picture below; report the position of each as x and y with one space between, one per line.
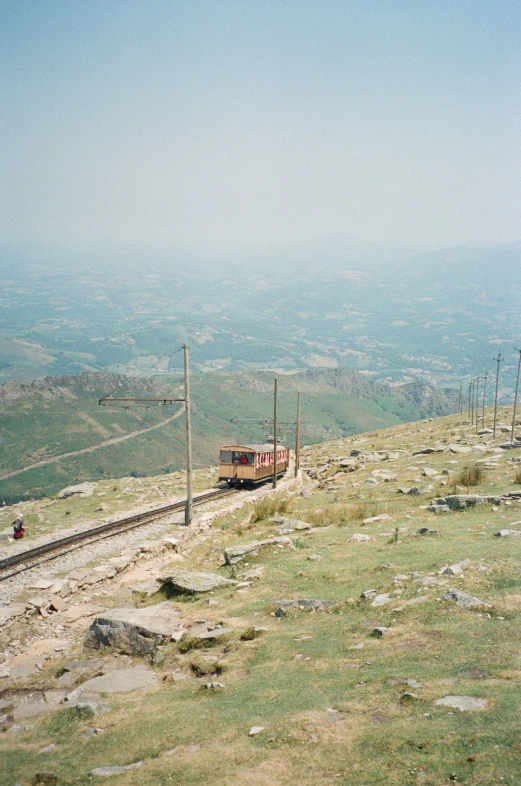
200 126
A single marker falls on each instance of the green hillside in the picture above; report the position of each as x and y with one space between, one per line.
57 416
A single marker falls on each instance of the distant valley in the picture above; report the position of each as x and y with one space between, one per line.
60 417
396 315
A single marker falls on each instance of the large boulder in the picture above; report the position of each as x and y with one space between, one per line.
134 630
233 554
191 581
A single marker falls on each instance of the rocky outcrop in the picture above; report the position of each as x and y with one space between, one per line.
134 630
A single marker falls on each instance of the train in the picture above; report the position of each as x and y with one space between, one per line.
249 465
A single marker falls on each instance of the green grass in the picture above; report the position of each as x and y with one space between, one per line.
287 678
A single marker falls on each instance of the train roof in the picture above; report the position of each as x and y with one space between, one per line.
256 448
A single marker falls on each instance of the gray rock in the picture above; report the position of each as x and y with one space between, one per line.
462 703
306 604
233 554
462 599
413 684
464 501
148 588
11 612
505 533
287 525
408 697
366 594
427 531
453 570
214 686
122 680
106 771
438 508
255 730
216 633
83 489
190 581
381 600
134 630
379 631
428 472
92 707
359 537
372 519
280 612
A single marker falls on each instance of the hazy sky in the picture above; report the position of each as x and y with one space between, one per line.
186 122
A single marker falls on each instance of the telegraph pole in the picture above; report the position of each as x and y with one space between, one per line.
473 388
470 388
476 408
461 398
484 392
189 499
513 434
498 361
275 436
297 437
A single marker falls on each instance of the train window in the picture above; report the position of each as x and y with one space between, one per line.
226 457
242 458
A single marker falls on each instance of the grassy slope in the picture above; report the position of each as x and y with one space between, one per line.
60 415
286 680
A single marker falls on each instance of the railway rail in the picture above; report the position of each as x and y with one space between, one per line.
28 559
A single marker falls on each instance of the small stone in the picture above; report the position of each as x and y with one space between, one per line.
366 594
359 538
106 771
255 730
413 684
427 531
280 612
408 697
379 631
214 686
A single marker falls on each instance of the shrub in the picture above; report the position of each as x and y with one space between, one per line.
269 506
469 476
517 474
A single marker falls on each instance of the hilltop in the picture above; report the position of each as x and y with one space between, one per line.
54 417
376 642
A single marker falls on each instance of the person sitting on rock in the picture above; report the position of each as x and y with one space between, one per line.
18 527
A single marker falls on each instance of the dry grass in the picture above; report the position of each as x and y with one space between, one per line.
517 474
471 475
339 515
270 506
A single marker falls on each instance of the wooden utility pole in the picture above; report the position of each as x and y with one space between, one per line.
297 437
476 407
189 498
461 398
473 388
484 393
498 361
275 436
513 434
470 388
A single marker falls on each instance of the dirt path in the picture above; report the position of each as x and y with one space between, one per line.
104 444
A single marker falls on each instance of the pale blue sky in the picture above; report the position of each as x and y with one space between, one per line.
177 123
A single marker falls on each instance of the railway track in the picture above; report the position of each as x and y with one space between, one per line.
31 558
